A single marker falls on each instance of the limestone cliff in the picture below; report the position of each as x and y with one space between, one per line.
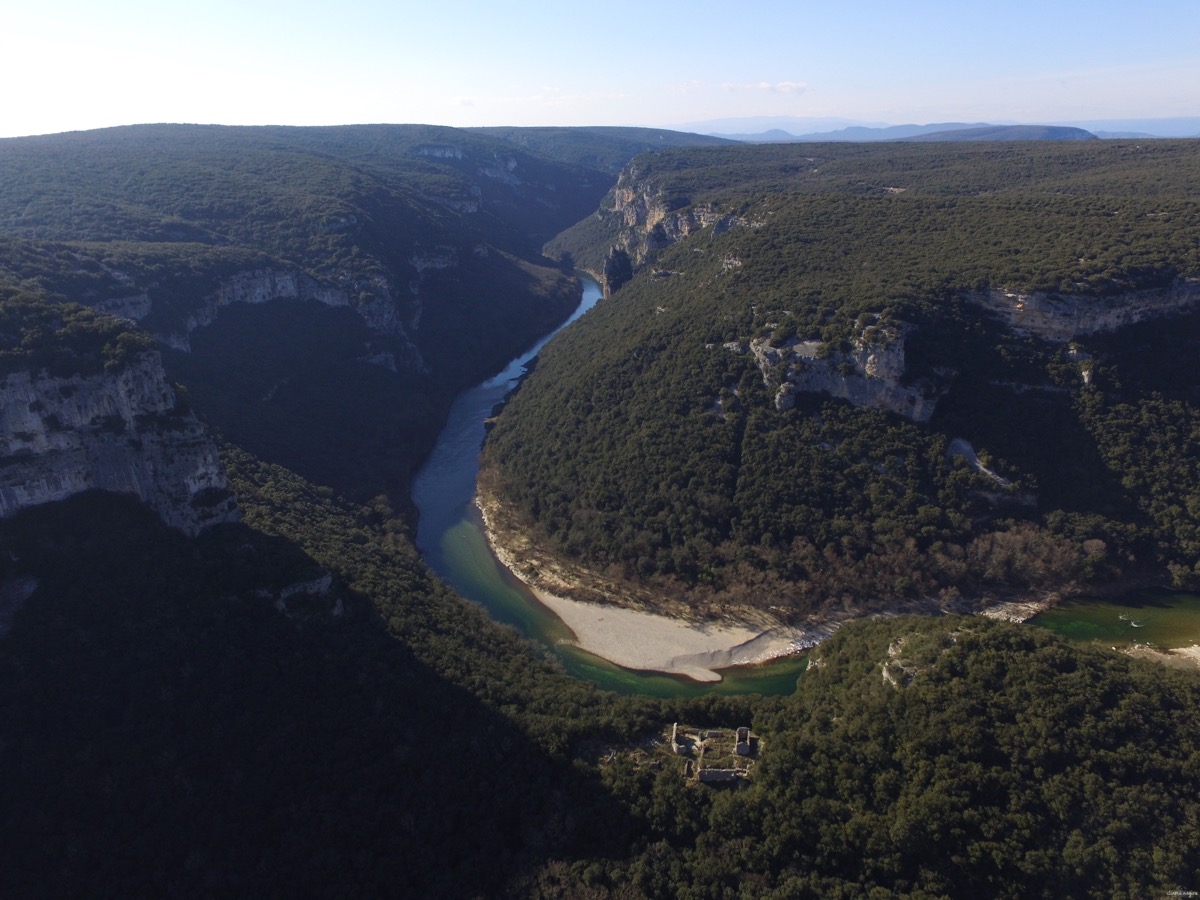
372 299
868 376
1065 317
258 286
121 432
645 218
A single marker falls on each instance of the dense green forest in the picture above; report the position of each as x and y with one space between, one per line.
295 706
168 731
416 251
64 338
737 500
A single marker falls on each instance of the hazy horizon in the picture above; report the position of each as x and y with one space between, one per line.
751 126
82 66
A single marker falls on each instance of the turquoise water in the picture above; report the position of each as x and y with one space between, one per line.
1161 619
476 574
450 537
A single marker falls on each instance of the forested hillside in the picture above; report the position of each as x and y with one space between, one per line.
987 760
402 263
848 375
293 705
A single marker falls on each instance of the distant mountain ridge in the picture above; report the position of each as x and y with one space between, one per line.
1009 133
857 133
779 129
941 131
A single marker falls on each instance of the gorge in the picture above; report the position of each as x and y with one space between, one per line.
460 546
297 703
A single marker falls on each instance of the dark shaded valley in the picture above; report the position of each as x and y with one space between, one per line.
225 669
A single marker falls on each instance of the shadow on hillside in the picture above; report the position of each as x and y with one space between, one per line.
1155 357
293 383
163 732
1038 433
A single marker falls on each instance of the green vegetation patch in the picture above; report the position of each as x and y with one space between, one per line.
654 442
64 340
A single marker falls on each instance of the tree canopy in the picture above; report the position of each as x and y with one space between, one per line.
651 443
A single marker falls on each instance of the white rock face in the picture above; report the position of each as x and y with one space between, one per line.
135 306
1064 317
374 302
121 433
869 376
502 169
436 151
258 286
650 225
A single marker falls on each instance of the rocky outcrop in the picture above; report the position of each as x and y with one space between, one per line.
962 449
314 588
501 168
120 432
1065 317
135 306
440 257
618 270
650 220
373 301
868 376
439 151
258 286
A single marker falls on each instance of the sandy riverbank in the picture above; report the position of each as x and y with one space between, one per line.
641 640
1177 657
635 638
626 633
1019 610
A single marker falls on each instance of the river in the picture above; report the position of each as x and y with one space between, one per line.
1158 619
451 539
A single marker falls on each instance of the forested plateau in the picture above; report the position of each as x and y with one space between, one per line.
842 378
292 704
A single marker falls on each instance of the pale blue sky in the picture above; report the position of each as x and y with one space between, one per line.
77 64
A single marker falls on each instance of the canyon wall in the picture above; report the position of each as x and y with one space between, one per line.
121 432
870 375
1063 317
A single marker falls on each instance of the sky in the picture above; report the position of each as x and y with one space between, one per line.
81 64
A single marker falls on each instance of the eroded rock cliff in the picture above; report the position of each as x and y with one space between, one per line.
370 297
123 432
645 217
1064 317
870 375
258 286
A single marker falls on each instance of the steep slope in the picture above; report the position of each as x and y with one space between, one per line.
293 705
85 405
191 717
849 376
392 221
932 758
404 260
271 707
661 196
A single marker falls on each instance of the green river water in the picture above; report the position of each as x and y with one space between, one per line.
450 537
1160 619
